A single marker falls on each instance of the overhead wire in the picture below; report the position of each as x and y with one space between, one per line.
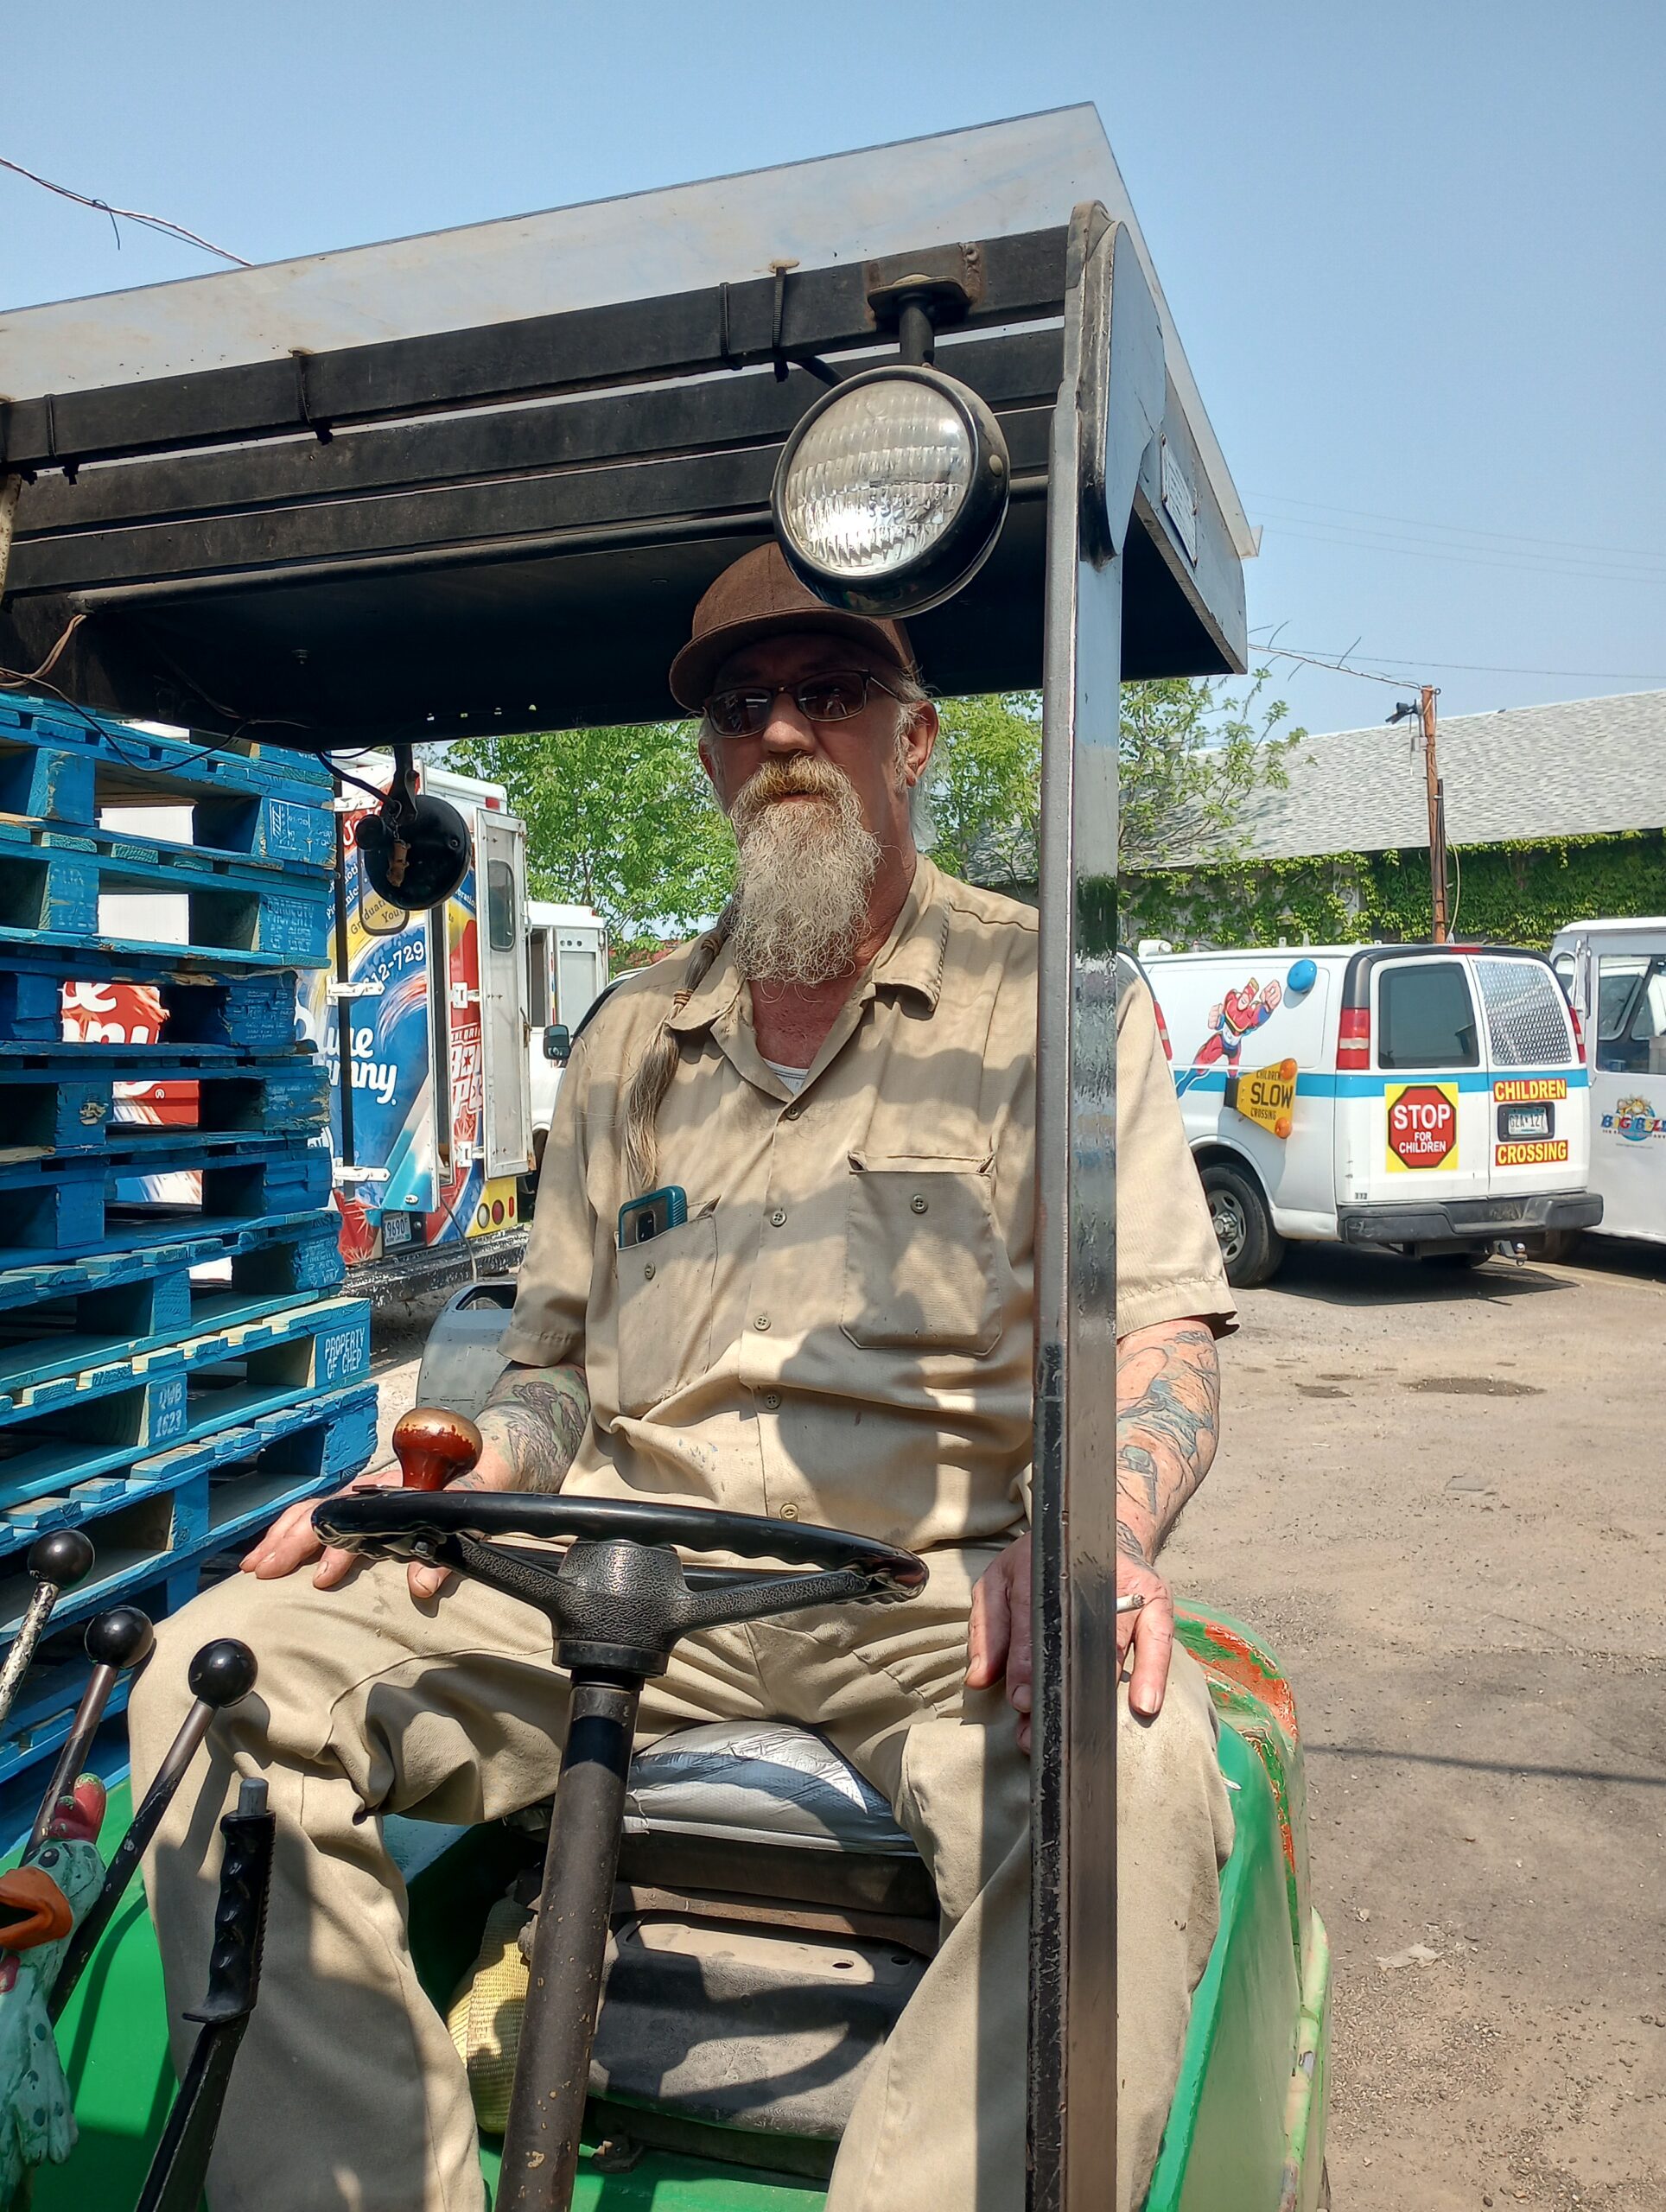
1407 663
1422 524
1524 563
158 222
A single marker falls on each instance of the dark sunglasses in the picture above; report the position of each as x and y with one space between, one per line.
836 697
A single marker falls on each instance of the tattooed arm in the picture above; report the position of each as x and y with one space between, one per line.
1167 1413
532 1424
1168 1423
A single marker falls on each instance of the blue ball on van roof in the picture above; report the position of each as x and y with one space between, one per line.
1303 975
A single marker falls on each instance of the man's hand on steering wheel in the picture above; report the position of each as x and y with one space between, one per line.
292 1541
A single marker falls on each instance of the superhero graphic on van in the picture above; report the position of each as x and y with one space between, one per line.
1238 1016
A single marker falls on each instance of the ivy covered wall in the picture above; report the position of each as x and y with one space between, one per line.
1512 895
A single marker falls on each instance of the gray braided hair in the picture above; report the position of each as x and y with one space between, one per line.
654 1072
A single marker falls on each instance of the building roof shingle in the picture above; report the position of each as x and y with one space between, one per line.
1581 768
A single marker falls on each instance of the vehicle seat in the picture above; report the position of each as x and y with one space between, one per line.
771 1920
763 1783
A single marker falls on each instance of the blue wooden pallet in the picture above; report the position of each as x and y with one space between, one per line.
69 1444
91 1298
208 997
51 880
261 801
201 1500
157 1303
84 1202
31 1385
61 1098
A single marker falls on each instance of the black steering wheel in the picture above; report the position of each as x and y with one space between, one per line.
619 1597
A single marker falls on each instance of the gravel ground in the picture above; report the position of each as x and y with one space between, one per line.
1442 1494
398 1335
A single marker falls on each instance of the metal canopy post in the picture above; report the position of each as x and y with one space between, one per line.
1111 410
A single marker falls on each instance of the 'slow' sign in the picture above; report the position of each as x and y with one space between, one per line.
1266 1097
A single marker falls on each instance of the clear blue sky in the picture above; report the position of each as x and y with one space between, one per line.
1414 250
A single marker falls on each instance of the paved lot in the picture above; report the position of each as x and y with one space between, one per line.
1442 1494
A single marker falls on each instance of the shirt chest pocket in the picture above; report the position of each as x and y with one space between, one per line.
665 1291
923 1267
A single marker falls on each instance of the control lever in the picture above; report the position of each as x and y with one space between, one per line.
117 1640
434 1447
221 1673
180 2168
56 1562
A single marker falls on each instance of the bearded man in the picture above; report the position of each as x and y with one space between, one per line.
840 1077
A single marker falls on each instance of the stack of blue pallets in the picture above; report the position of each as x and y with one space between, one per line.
175 1369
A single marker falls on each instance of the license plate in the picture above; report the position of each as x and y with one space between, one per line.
397 1229
1527 1122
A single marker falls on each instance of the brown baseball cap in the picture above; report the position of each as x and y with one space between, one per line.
759 596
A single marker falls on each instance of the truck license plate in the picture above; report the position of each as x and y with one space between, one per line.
1526 1122
397 1228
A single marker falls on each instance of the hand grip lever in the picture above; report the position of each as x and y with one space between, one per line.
434 1447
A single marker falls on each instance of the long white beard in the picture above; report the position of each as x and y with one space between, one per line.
805 870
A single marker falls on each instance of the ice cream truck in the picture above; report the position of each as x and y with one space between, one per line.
431 1133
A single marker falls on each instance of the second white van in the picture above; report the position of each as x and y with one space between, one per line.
1429 1098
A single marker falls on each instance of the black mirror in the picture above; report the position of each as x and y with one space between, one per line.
558 1044
417 858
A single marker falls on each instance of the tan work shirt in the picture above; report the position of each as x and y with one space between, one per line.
841 1331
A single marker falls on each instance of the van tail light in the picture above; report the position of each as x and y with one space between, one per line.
1353 1039
1163 1031
1578 1032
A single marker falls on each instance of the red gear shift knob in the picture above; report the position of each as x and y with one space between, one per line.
434 1447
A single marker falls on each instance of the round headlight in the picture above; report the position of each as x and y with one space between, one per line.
890 493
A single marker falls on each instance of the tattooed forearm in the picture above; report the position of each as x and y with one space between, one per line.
534 1422
1167 1419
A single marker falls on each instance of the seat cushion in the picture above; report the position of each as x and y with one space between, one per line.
758 1783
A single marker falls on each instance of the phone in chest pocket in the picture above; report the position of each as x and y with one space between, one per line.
642 1219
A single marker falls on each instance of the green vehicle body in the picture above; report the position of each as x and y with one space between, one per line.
1245 2133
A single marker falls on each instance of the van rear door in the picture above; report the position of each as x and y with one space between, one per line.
1539 1132
1422 1116
1624 978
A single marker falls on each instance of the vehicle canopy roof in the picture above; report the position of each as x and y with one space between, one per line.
478 479
1619 927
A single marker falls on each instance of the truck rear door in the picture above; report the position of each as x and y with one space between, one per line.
1539 1124
580 971
506 1114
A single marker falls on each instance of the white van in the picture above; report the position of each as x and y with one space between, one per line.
566 973
1614 973
1432 1098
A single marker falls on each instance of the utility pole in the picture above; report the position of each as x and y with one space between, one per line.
1437 798
1423 714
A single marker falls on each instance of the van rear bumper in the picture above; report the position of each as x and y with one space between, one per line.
1469 1221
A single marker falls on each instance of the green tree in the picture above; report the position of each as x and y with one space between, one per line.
620 819
984 788
1191 755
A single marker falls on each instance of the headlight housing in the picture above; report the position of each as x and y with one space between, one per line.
890 493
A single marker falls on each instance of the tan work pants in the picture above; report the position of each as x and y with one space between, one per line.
348 2095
